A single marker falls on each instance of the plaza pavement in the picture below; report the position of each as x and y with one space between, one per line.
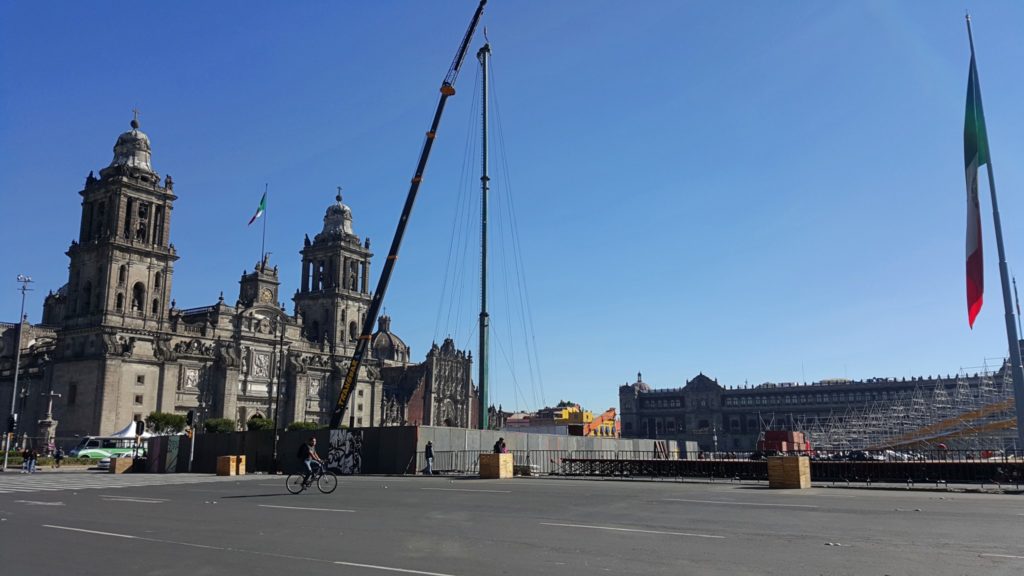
200 524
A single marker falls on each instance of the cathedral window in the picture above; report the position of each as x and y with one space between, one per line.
138 297
120 302
156 306
122 275
138 399
100 223
158 280
86 298
353 331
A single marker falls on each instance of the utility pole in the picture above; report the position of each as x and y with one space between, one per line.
25 281
485 187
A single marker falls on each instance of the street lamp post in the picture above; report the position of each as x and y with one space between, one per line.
25 281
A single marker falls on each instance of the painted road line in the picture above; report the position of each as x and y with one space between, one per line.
126 499
1002 556
38 503
254 552
301 508
739 503
129 536
389 569
467 490
631 530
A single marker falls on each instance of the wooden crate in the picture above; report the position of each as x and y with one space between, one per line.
120 465
226 465
496 466
789 472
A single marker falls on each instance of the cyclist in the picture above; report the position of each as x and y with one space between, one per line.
308 456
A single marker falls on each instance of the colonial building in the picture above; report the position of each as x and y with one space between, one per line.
114 345
720 418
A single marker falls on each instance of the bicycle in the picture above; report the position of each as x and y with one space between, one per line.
325 481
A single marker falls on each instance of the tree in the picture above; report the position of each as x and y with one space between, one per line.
219 425
260 424
304 426
565 404
165 423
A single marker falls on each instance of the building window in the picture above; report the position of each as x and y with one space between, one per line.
72 394
140 379
138 399
359 407
359 393
359 421
139 297
156 306
158 280
120 302
122 275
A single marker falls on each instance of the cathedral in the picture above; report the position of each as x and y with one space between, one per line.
113 346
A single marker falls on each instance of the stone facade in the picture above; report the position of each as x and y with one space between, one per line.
115 346
720 418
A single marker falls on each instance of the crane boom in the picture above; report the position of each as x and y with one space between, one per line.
362 345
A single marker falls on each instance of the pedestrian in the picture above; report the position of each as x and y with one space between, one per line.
33 456
58 455
504 449
498 445
26 460
428 453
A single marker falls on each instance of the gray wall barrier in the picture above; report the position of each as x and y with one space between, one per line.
398 449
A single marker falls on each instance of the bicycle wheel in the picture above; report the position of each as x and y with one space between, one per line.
294 483
327 482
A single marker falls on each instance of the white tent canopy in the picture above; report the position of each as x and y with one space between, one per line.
129 432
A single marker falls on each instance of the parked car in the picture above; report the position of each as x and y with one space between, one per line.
104 463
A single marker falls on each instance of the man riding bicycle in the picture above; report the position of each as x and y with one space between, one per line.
309 457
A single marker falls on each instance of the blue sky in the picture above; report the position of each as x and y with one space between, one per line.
759 191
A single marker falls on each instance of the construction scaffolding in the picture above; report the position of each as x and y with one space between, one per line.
972 412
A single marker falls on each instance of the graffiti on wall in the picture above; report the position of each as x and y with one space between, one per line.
345 454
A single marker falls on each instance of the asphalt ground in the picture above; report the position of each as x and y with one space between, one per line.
442 526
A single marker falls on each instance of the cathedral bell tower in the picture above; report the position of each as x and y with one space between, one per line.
122 263
333 293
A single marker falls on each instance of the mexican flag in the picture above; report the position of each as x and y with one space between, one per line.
975 156
260 209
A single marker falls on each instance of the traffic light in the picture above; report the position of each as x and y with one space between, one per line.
12 423
140 427
190 418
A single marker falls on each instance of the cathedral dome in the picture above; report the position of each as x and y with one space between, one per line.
132 149
337 220
386 345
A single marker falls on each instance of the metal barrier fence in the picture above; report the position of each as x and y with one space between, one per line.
932 467
531 462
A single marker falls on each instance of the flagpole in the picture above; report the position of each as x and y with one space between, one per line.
1004 278
263 242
